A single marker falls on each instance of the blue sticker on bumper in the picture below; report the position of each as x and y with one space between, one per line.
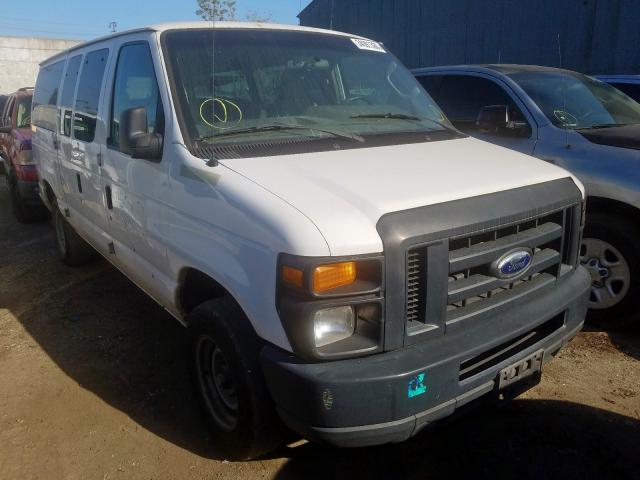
416 386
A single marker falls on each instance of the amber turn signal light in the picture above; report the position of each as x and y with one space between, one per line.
292 276
334 275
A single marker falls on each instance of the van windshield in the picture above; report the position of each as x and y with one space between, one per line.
575 101
276 85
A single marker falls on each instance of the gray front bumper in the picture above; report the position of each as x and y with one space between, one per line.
364 401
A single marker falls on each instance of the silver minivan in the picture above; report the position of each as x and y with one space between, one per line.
578 123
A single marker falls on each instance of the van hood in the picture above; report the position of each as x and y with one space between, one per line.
344 193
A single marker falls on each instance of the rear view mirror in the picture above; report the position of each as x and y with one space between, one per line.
496 119
134 137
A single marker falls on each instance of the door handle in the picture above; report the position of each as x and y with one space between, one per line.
107 191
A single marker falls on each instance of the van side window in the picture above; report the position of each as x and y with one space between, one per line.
461 97
88 96
135 85
68 90
45 96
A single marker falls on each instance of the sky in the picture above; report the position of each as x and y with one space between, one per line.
86 19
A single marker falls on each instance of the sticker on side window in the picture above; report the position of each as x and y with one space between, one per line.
368 45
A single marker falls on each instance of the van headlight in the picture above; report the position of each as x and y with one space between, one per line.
331 308
331 325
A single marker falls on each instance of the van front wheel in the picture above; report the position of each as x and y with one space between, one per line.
227 374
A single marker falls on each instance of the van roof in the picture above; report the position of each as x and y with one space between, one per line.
161 27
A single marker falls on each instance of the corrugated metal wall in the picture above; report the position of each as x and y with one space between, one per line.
595 36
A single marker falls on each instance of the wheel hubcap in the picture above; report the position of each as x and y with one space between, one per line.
216 384
609 270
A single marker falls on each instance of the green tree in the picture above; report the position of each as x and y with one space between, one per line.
255 16
217 9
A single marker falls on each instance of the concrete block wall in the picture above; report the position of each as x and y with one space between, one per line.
20 58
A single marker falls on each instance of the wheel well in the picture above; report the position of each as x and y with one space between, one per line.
609 206
51 197
197 287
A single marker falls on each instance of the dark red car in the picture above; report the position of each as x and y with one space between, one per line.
15 149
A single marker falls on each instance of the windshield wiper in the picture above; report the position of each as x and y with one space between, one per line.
605 125
402 116
390 116
276 127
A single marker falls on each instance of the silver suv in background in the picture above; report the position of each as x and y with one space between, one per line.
581 124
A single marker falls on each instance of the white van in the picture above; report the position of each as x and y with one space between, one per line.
345 261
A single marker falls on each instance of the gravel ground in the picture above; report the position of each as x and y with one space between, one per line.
93 385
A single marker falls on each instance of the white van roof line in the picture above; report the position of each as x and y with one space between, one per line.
161 27
247 25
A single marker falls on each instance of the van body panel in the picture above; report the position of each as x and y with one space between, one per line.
225 225
79 170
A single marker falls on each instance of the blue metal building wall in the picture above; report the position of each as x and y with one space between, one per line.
593 36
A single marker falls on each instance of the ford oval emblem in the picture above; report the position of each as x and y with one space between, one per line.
513 263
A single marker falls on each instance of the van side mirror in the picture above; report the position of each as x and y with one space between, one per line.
134 139
496 119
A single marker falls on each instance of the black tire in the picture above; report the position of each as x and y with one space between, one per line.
73 250
21 211
623 236
236 401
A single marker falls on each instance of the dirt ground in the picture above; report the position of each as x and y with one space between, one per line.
93 385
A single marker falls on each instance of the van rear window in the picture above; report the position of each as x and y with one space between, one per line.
45 96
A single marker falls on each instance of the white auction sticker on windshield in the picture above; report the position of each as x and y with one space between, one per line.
363 44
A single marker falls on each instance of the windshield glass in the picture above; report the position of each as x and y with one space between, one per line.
23 115
576 101
271 84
